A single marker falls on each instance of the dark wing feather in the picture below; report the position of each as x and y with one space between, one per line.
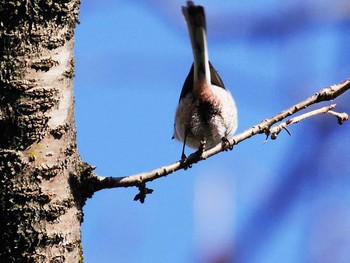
188 84
215 78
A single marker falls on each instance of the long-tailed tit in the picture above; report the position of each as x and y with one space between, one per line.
206 113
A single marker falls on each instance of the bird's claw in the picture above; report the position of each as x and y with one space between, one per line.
226 144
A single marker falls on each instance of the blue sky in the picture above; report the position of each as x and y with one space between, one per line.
287 198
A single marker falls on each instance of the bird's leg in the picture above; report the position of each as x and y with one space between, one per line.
183 155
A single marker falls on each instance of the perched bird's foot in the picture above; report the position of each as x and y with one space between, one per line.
226 144
184 161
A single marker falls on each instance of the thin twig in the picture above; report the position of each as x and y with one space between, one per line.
326 94
340 116
275 130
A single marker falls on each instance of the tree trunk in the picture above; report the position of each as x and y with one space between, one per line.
40 198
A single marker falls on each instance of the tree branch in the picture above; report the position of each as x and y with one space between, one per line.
275 130
329 93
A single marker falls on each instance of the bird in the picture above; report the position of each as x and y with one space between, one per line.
206 113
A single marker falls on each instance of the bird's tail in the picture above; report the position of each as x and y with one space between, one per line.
195 19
